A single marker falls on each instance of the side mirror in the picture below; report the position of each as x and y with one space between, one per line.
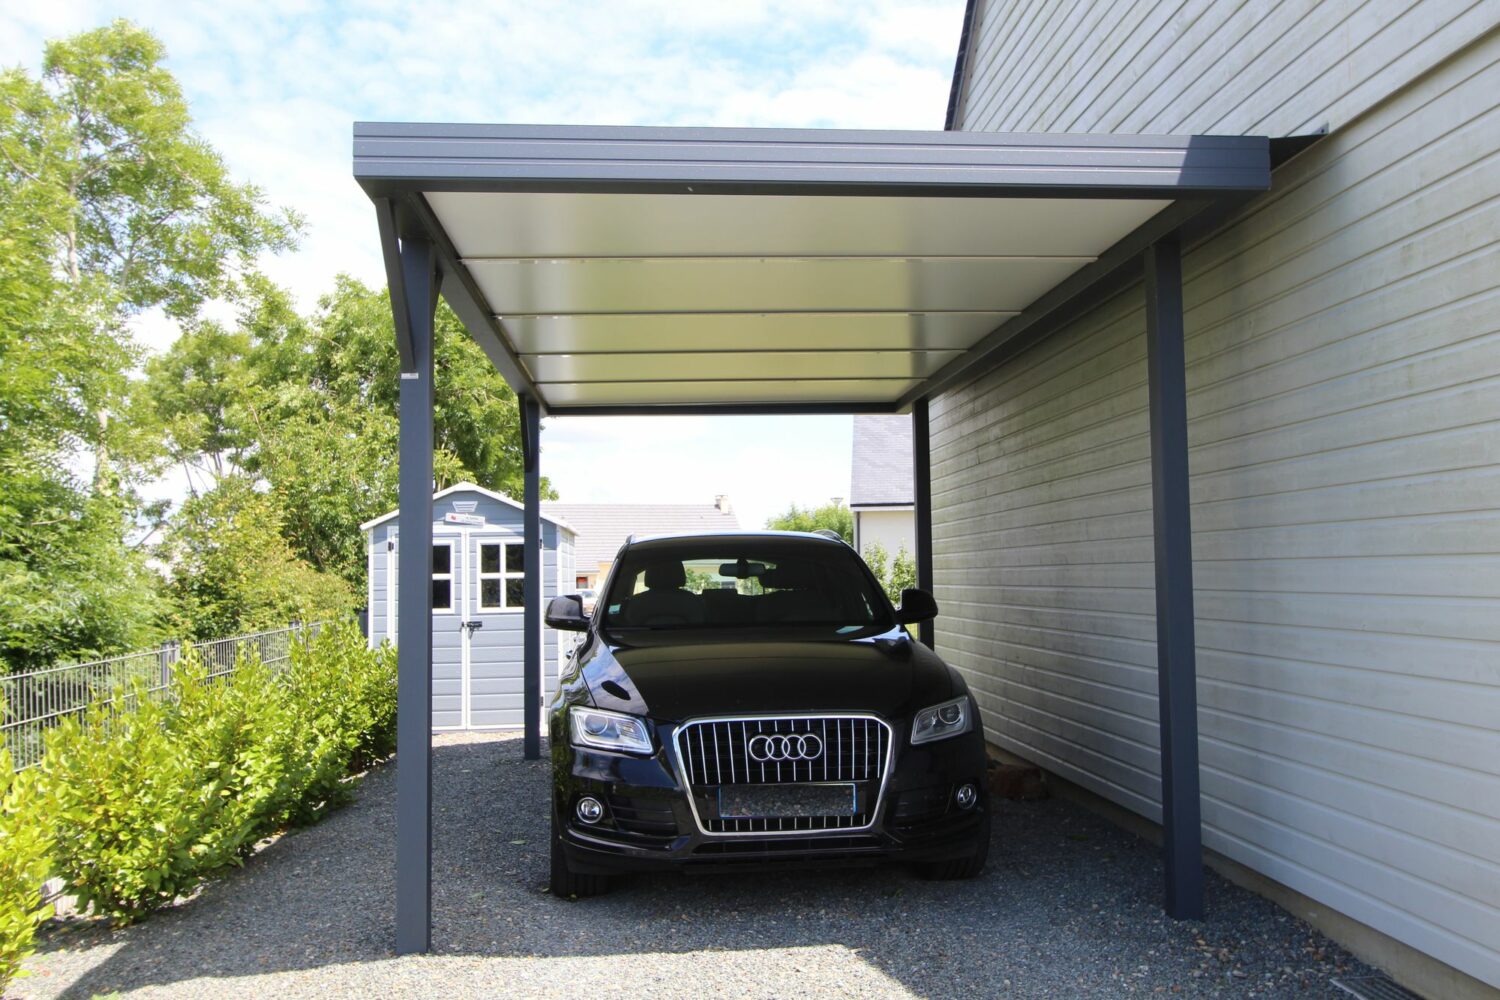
565 614
916 606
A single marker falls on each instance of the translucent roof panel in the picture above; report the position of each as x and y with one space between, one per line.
640 269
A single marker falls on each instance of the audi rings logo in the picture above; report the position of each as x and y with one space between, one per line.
767 748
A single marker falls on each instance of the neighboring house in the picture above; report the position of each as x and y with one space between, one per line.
603 527
1343 376
478 554
880 494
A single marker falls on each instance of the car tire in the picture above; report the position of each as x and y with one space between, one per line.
957 869
566 883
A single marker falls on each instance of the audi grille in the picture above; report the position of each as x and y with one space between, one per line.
819 749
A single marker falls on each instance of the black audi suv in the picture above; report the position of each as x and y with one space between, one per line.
753 699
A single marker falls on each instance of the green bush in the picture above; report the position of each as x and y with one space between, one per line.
135 809
149 802
23 865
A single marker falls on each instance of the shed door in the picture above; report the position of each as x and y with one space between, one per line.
447 632
495 654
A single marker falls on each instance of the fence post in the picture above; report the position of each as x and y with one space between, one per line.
169 654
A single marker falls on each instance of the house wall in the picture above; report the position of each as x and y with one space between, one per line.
890 528
496 651
1203 67
1343 368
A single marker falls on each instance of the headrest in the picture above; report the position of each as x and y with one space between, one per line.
666 576
791 576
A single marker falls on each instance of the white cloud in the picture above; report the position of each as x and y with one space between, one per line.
276 84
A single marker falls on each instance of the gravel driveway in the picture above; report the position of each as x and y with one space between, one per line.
1068 907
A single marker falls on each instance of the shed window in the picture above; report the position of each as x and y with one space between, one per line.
502 575
442 576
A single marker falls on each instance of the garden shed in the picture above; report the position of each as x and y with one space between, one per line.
479 561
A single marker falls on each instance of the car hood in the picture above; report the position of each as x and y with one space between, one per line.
891 677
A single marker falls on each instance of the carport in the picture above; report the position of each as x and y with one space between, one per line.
741 271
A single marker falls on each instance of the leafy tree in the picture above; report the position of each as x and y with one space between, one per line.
833 515
103 149
70 587
895 575
232 571
324 416
109 204
903 573
196 394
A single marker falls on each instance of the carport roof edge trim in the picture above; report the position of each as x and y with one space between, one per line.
392 158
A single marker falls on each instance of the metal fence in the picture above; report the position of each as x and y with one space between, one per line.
36 701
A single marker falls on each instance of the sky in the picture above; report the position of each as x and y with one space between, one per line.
275 85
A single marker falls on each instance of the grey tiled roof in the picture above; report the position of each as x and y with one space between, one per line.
603 527
882 461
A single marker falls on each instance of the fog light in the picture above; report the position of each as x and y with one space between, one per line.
590 809
966 796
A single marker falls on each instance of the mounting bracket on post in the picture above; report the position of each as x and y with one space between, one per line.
530 432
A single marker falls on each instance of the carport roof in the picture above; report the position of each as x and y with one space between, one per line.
648 270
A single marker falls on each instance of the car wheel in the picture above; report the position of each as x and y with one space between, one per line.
565 883
956 869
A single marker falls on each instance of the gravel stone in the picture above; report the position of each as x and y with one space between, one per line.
1069 906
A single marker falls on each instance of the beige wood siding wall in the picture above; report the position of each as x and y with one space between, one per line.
1344 418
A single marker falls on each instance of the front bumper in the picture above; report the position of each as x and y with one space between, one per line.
648 825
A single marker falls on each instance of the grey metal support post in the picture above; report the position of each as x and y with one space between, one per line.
531 687
1177 675
921 480
414 648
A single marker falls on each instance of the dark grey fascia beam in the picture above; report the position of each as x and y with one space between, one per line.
396 158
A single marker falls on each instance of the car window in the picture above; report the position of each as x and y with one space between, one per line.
763 583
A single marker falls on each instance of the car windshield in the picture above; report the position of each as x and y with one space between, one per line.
757 583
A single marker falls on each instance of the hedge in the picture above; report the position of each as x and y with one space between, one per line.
23 865
141 800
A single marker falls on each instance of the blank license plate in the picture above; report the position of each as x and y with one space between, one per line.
757 801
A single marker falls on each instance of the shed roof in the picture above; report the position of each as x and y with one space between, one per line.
603 527
469 488
882 472
624 269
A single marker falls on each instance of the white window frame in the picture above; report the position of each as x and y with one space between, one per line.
450 576
504 575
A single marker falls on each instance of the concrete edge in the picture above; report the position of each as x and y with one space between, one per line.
1416 970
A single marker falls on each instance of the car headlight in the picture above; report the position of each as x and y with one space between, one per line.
601 730
939 722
